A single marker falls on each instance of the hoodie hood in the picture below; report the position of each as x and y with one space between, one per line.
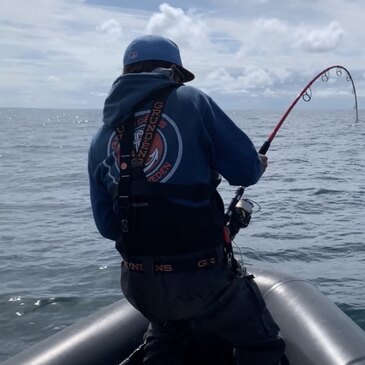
128 90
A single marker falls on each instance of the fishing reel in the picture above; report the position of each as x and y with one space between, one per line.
239 216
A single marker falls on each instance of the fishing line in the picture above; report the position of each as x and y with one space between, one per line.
306 95
257 205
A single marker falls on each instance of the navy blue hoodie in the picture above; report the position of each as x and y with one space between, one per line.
195 139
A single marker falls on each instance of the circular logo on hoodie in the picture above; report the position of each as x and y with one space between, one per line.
164 152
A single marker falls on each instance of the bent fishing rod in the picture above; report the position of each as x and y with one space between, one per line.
306 95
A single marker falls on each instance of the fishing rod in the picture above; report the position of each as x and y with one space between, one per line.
306 95
238 213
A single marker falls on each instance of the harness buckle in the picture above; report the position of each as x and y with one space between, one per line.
124 199
124 208
125 225
229 256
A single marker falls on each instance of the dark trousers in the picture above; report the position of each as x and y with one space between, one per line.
229 307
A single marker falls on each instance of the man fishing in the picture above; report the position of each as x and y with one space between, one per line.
154 167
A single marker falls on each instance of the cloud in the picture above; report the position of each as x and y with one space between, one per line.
111 28
230 82
53 78
255 77
269 25
72 47
185 30
320 40
219 78
99 94
264 36
70 51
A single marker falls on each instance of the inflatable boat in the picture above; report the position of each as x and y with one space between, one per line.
316 331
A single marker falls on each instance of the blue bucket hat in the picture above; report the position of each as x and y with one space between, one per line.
155 48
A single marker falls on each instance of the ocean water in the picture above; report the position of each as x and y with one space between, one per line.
55 268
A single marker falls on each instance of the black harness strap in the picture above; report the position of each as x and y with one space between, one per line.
125 168
131 162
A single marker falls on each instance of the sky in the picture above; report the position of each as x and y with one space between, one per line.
246 54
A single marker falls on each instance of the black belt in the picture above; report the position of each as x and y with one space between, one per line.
175 264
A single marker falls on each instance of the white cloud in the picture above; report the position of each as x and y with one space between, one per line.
185 30
269 25
255 78
225 81
220 78
53 78
322 39
234 47
110 27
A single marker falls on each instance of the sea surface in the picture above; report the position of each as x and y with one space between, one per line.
55 268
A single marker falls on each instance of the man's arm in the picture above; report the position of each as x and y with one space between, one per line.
106 220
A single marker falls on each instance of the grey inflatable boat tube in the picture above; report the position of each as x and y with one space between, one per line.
316 331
